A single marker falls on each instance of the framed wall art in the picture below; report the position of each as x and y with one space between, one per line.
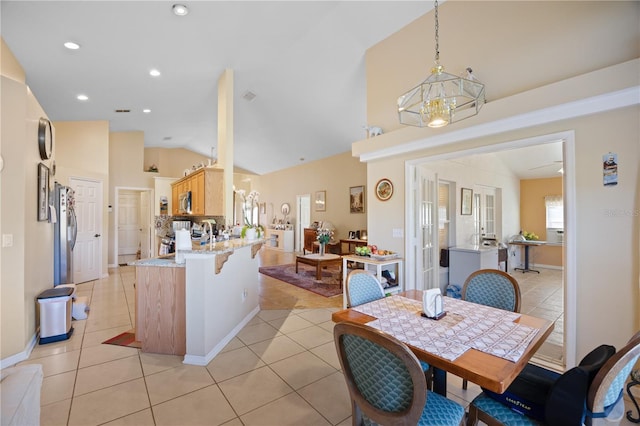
384 189
466 201
43 192
356 199
321 201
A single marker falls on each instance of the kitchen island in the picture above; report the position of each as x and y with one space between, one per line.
195 308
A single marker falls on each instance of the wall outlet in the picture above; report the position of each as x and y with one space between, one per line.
7 240
398 233
245 293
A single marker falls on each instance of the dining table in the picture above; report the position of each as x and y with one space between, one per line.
484 345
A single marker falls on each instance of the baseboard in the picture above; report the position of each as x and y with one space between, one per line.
206 359
21 356
543 266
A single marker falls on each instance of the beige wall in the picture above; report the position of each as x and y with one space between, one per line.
172 162
334 175
82 151
26 267
9 64
126 159
533 216
504 44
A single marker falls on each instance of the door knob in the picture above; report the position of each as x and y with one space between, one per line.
97 235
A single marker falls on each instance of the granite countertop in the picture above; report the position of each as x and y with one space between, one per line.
220 247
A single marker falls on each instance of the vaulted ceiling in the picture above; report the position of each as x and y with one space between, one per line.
303 61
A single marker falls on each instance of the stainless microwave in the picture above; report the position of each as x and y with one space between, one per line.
184 203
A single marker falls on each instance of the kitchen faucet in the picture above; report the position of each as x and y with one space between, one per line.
204 229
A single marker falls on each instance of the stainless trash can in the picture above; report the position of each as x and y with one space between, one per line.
55 314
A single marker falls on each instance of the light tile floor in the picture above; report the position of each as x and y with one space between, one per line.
542 296
281 369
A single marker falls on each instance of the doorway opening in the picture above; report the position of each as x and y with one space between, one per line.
303 218
427 168
133 223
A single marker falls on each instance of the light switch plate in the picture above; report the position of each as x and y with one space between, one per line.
7 240
397 233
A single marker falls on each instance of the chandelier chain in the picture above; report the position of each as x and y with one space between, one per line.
437 39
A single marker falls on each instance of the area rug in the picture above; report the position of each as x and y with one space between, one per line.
329 286
128 338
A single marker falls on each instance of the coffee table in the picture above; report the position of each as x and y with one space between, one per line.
319 262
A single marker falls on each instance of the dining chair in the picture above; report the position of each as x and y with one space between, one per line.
386 383
572 399
491 287
363 287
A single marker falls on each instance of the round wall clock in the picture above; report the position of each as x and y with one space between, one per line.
45 139
384 189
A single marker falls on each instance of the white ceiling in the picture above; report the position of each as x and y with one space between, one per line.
304 60
532 162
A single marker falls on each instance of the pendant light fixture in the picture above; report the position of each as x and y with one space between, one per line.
442 98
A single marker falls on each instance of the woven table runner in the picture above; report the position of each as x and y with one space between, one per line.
467 325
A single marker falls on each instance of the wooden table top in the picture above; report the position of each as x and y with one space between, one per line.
488 371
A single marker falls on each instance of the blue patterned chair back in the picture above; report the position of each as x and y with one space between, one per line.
492 287
605 392
386 383
385 380
362 287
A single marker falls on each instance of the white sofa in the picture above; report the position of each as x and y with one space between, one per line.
20 395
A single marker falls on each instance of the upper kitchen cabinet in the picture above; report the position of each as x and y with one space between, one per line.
205 190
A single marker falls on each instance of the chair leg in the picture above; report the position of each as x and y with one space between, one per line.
472 416
428 375
475 415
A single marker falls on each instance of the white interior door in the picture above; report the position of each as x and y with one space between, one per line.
145 225
303 218
87 254
128 223
427 230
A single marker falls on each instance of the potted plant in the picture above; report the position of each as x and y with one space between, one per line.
323 237
250 230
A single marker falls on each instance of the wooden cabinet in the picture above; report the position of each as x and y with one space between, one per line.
207 189
160 309
310 236
351 245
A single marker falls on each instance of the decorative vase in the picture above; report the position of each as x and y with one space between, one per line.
322 249
250 233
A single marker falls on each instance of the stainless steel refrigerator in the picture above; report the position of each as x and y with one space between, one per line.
65 233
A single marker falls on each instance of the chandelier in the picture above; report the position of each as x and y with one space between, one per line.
442 98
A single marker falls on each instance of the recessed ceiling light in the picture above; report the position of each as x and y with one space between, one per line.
82 97
180 9
71 45
154 73
146 111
